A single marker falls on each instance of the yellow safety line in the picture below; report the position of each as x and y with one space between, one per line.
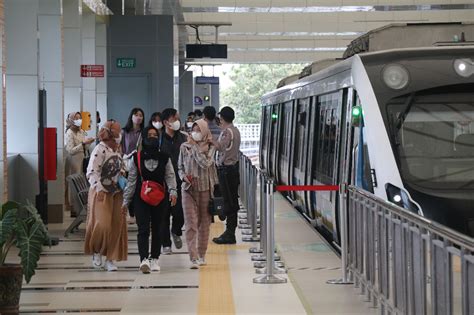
215 286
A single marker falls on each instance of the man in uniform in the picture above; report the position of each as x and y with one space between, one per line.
228 145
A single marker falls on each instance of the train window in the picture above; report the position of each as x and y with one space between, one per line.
325 142
300 134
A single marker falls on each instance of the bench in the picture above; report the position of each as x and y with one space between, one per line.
79 187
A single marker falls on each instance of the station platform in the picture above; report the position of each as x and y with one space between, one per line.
65 281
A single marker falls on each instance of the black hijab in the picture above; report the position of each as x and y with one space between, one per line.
150 146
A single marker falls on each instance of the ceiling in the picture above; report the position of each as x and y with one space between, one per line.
293 31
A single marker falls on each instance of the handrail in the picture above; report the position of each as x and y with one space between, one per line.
439 229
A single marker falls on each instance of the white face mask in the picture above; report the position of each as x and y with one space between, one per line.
189 124
175 125
119 139
78 122
157 124
197 136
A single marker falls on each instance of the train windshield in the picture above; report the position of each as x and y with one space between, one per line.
433 137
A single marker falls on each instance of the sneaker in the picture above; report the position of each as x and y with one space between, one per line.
201 261
177 241
97 261
225 239
110 266
194 264
166 250
145 266
154 266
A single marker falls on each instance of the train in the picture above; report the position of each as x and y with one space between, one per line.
396 122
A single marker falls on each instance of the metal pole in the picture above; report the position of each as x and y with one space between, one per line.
259 250
270 278
344 250
252 232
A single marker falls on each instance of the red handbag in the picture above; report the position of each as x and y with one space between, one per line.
151 192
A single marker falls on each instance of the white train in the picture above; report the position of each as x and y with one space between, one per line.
398 123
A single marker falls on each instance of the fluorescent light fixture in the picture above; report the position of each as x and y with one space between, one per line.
290 49
294 34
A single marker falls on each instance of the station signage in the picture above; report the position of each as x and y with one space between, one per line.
126 63
207 80
92 71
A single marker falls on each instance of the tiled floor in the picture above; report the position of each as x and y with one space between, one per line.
66 282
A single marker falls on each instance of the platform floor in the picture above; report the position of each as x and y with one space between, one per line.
65 282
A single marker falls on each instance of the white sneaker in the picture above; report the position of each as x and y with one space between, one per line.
194 264
166 250
154 266
201 261
110 266
97 261
145 266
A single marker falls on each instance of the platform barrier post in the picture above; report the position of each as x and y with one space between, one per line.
344 239
269 277
252 231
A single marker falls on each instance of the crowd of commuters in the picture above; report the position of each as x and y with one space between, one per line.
160 176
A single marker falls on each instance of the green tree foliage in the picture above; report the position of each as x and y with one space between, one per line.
250 83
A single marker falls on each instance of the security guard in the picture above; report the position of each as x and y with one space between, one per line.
228 145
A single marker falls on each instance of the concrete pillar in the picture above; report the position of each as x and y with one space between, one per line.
101 59
89 96
3 117
51 79
186 93
21 26
72 56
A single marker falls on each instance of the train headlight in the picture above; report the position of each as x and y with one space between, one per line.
395 76
464 67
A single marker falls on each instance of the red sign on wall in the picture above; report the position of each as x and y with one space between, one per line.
92 71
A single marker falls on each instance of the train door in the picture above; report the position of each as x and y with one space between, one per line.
285 143
273 140
300 149
325 170
264 136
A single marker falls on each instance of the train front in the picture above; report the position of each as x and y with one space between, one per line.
426 98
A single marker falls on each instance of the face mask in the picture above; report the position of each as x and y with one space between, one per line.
78 122
98 120
137 120
175 125
157 124
119 139
151 143
189 124
197 136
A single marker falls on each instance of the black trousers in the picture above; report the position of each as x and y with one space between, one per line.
149 217
229 180
177 222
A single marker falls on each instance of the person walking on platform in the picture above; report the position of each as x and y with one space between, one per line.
77 150
130 142
149 164
155 121
197 171
228 146
210 118
106 226
172 138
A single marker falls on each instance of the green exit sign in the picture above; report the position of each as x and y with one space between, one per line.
126 63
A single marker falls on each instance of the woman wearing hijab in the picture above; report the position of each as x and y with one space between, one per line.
76 146
198 173
154 166
106 228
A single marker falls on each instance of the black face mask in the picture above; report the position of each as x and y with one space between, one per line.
98 120
150 143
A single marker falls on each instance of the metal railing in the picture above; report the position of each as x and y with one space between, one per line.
254 215
406 264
